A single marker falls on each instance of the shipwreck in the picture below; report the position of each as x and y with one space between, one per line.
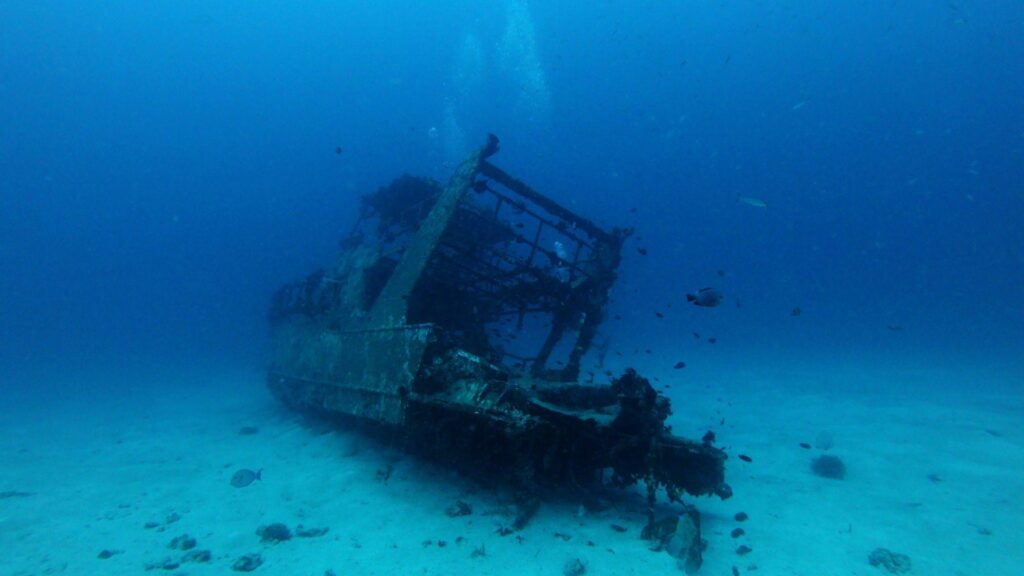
458 317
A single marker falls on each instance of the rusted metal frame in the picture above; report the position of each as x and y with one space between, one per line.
540 217
469 269
495 295
521 188
519 265
575 265
502 279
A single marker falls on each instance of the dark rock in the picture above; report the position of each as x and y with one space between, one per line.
741 516
183 542
744 550
828 466
199 556
105 554
247 563
273 533
737 532
892 562
574 567
460 508
302 532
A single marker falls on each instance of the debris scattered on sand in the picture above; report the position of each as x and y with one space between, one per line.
197 556
183 542
526 507
247 563
106 554
165 564
574 567
828 466
274 533
460 508
384 474
303 532
892 562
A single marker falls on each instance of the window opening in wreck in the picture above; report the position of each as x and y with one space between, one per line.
514 283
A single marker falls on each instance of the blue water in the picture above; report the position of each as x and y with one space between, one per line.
165 166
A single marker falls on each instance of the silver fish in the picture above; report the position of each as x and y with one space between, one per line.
750 201
244 477
706 297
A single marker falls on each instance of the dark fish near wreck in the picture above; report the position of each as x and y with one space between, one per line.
706 297
244 477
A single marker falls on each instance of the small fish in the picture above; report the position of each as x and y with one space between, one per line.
745 458
712 340
751 201
721 273
796 311
679 365
659 314
244 477
799 105
338 150
696 335
705 297
895 327
805 445
709 438
642 251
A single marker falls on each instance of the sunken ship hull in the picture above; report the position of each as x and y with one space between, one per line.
457 318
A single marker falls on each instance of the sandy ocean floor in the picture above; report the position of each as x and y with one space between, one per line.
88 462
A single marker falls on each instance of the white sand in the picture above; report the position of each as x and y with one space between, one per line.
104 455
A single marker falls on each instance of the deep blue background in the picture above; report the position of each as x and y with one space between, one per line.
165 165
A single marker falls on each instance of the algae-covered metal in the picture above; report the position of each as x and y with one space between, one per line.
458 317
